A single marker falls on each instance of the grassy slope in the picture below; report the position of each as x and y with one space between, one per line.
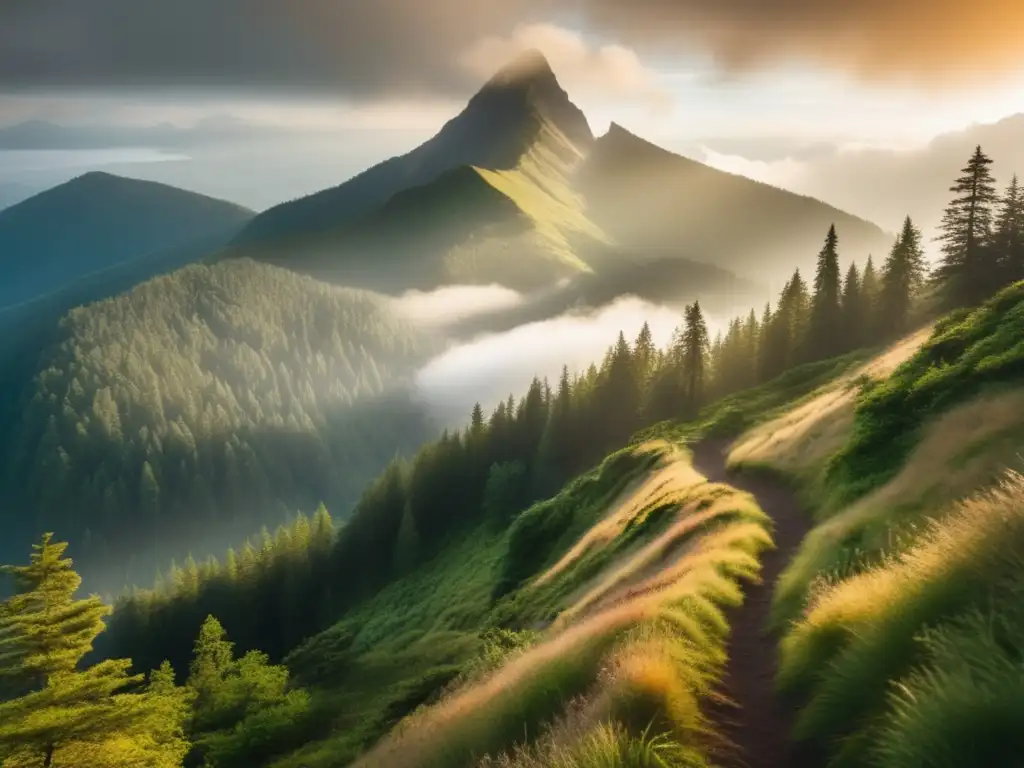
614 585
905 633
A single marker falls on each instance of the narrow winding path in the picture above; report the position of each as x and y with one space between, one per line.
758 723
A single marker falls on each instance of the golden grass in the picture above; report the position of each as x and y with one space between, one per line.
966 449
665 559
646 657
861 635
800 441
633 503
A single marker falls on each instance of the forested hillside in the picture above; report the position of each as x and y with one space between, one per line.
205 403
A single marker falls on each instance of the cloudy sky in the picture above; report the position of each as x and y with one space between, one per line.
788 91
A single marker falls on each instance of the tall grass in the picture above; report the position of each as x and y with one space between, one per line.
887 660
968 352
965 449
644 662
799 442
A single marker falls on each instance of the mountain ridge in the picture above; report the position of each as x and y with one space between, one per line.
493 131
575 194
648 197
106 220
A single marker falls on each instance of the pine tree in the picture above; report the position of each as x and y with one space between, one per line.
555 461
824 337
903 275
853 309
869 290
1009 235
966 272
476 420
43 630
786 335
764 344
694 362
226 691
643 354
57 714
619 395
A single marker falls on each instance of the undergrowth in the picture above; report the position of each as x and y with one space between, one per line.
967 352
920 661
642 659
905 638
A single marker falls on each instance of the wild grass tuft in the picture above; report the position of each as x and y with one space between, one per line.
871 646
644 651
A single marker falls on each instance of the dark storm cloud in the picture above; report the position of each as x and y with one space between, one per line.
352 46
925 41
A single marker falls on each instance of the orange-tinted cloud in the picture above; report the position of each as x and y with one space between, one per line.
398 47
926 42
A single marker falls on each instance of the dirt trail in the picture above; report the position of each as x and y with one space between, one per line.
759 725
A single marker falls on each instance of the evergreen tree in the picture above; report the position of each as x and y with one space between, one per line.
853 309
619 395
1009 234
226 692
555 455
968 266
903 276
694 361
644 353
824 337
476 422
53 713
764 363
869 291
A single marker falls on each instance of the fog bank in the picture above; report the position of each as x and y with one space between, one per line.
488 368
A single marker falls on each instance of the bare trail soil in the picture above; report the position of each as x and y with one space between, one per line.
757 722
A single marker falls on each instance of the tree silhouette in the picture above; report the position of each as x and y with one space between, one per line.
1009 234
824 337
968 265
903 275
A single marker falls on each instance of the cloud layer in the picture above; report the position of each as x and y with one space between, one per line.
349 46
923 41
406 46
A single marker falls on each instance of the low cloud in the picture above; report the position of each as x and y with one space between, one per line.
452 303
607 70
785 172
487 369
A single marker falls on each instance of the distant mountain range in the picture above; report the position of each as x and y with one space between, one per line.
98 221
516 190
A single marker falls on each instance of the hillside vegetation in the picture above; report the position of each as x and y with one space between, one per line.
205 403
903 604
631 587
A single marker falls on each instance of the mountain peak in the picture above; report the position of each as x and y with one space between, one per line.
528 68
527 84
